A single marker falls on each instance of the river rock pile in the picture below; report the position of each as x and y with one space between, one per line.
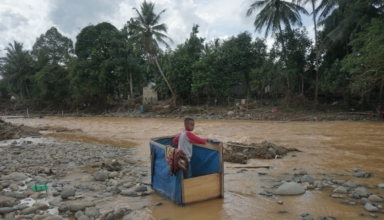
348 192
99 172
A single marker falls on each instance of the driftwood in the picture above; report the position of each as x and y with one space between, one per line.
240 153
253 167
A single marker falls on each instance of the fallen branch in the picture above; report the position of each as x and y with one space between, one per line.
253 167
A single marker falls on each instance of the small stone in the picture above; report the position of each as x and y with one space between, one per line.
14 187
375 198
129 193
141 189
78 214
113 174
16 176
101 176
340 189
280 202
290 188
84 217
67 192
302 172
79 205
283 212
381 185
373 215
352 203
307 179
92 212
364 201
110 216
158 203
5 210
362 191
29 210
369 207
119 213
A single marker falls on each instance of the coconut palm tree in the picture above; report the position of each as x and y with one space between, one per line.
274 12
16 68
148 33
314 17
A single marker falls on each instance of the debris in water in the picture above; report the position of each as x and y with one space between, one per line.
239 153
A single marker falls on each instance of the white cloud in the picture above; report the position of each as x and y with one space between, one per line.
25 20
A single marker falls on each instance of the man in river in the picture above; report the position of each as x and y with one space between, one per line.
186 139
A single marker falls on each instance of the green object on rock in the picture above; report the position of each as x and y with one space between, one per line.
40 187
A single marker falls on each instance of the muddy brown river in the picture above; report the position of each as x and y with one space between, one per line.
330 150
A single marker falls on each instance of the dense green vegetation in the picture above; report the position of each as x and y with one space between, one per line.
107 66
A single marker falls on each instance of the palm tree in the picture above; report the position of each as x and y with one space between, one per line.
148 33
16 68
314 17
273 13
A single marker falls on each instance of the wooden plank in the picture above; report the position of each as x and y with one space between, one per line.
221 171
212 146
201 188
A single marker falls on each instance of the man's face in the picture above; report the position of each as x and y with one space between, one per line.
190 126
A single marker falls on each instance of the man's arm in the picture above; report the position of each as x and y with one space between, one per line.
195 139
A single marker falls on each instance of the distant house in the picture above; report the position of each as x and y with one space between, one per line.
150 94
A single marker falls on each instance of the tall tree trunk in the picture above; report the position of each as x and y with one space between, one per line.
283 52
165 79
381 91
131 84
317 51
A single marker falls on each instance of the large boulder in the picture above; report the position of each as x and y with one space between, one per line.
290 188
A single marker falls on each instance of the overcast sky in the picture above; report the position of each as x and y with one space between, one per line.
25 20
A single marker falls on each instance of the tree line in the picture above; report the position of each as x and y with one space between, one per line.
107 66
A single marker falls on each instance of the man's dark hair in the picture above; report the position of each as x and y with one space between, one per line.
187 120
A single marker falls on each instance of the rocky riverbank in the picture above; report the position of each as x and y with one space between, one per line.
80 179
366 197
220 113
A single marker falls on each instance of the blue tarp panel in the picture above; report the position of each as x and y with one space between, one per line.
165 184
204 161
